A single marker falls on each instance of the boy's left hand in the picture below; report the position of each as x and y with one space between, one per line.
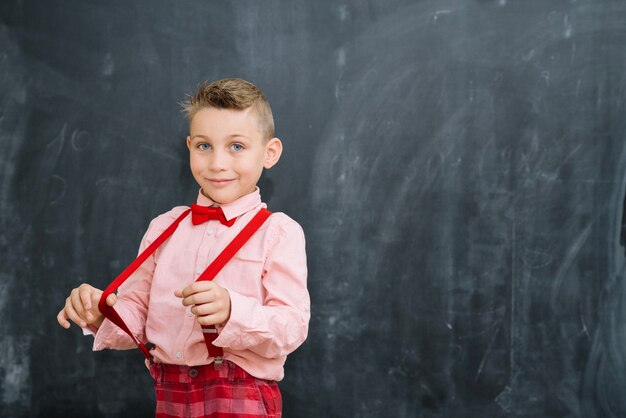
209 302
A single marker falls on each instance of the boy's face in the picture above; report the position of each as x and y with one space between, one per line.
227 152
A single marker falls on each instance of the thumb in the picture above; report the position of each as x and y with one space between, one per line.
111 299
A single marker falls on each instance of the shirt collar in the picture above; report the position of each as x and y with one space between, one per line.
234 209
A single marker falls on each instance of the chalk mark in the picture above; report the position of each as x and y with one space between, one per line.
489 348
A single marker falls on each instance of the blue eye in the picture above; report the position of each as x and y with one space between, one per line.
236 147
204 147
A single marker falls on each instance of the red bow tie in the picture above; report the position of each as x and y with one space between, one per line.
201 214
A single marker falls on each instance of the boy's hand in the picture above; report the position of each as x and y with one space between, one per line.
81 307
209 302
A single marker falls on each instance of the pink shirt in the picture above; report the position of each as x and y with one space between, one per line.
266 280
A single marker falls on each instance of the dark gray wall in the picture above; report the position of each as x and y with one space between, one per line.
458 167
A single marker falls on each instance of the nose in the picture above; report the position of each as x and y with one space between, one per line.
218 161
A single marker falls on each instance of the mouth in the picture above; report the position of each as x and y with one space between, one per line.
219 182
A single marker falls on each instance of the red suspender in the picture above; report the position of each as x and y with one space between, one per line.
111 313
210 332
208 274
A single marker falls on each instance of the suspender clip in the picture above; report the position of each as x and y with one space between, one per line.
217 362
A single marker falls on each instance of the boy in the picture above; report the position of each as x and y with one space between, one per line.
258 302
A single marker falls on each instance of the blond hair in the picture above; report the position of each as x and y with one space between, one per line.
232 93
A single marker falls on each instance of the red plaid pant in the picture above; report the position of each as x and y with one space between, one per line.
202 391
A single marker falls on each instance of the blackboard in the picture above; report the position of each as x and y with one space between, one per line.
458 167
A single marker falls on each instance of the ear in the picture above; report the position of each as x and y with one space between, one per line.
188 142
273 150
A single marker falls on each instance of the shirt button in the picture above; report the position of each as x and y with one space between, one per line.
199 271
178 354
209 232
189 313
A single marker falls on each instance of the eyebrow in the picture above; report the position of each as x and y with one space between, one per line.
206 138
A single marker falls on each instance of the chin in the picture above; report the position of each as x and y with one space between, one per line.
224 196
220 198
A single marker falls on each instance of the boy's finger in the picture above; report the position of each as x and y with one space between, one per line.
111 299
76 302
62 320
192 290
213 319
206 309
183 293
73 316
196 287
199 298
85 292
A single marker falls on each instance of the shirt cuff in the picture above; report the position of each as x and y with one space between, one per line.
241 311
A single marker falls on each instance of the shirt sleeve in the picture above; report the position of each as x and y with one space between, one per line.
278 325
132 302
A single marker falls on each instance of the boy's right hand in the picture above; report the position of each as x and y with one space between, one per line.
81 307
